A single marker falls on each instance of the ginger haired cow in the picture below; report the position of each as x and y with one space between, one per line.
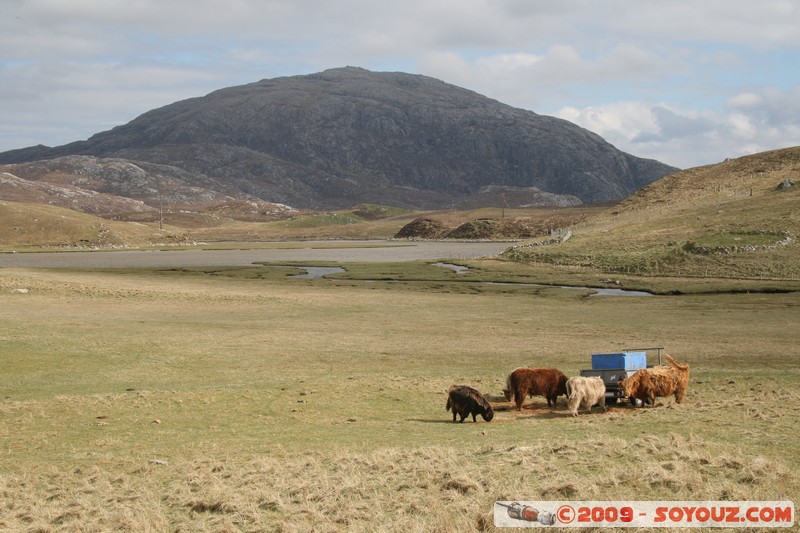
548 382
649 383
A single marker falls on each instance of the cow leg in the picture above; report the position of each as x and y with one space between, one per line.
572 406
454 415
680 394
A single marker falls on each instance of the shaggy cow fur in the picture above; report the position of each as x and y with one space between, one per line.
465 401
547 382
648 383
585 392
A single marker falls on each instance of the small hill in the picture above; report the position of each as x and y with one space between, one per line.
738 218
37 225
754 176
533 223
423 228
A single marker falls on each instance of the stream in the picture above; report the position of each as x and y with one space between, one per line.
313 272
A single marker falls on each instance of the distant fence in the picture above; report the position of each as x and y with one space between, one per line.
559 239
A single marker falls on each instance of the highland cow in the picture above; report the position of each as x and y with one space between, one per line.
586 392
465 401
547 382
648 383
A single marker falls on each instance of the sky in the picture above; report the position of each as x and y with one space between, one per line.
686 82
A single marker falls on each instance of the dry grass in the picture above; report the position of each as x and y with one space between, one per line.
45 226
418 489
658 231
155 401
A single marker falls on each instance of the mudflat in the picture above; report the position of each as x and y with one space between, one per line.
334 251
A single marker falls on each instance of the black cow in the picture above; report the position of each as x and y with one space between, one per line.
465 401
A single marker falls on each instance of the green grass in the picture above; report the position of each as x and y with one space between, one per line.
323 219
736 239
236 399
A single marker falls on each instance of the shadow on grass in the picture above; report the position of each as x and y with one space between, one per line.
443 420
542 415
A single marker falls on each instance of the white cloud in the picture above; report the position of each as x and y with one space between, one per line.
769 104
741 127
745 100
770 23
627 120
505 63
690 137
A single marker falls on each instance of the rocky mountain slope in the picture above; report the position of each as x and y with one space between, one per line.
107 185
347 136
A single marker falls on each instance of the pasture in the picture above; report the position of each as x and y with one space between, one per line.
240 400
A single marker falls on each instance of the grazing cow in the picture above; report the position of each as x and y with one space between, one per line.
648 383
586 392
547 382
465 401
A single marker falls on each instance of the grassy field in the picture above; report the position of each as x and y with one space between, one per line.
238 400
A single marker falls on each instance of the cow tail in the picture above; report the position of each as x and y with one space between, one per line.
674 363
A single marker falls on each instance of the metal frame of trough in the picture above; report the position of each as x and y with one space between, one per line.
658 349
612 391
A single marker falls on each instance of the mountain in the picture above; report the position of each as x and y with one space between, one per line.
347 136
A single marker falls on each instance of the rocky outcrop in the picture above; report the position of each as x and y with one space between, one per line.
17 189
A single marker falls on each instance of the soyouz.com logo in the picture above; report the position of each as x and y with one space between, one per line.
752 514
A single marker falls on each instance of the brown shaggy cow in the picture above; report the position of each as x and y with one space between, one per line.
465 401
585 392
547 382
648 383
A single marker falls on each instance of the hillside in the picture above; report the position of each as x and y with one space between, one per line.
37 225
347 136
739 218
